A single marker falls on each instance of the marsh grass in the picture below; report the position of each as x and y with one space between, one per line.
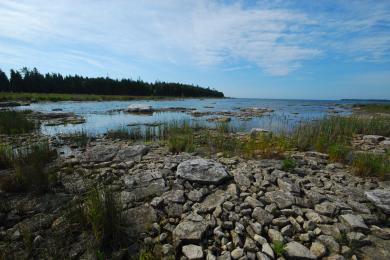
15 122
321 134
338 152
374 108
5 156
371 165
102 212
30 169
80 138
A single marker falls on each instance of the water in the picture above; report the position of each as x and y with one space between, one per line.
99 120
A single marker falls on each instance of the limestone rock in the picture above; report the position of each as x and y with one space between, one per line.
193 252
202 171
380 198
295 250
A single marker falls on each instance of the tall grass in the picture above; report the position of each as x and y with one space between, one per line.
80 138
5 156
374 108
15 122
30 171
371 165
103 214
323 133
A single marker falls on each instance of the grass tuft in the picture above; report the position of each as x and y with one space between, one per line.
288 164
371 165
15 122
278 248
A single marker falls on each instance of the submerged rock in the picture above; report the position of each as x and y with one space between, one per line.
202 171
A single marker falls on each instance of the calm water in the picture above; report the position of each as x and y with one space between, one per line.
99 120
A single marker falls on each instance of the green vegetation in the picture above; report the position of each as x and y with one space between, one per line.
371 165
373 108
338 152
32 81
5 156
80 139
278 248
267 145
15 122
103 213
288 164
30 169
321 134
180 138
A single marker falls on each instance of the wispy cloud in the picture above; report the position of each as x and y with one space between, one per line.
276 38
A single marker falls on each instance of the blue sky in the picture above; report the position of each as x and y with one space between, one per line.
266 49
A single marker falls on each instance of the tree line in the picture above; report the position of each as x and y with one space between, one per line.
32 81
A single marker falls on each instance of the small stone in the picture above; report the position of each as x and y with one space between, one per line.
237 253
262 216
275 235
167 249
250 245
267 249
262 256
193 252
37 240
318 249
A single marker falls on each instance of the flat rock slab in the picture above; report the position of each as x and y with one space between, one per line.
282 199
131 152
144 184
202 171
354 222
380 198
295 250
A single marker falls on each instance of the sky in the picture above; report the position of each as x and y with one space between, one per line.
300 49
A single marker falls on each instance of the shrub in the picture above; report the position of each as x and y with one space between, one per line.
338 152
371 165
15 122
288 164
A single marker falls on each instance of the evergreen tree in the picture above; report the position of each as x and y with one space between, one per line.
4 82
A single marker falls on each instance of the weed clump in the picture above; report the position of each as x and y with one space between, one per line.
30 169
288 164
338 152
15 122
371 165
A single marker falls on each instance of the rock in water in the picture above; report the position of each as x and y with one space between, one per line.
139 108
380 198
295 250
202 171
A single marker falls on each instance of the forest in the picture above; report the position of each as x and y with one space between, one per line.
32 81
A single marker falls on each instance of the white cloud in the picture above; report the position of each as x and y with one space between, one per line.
198 33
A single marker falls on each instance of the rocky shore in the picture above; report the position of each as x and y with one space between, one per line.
183 206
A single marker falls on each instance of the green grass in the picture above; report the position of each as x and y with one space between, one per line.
180 138
338 152
30 171
288 164
5 156
80 138
321 134
12 96
278 248
371 165
103 213
374 108
15 122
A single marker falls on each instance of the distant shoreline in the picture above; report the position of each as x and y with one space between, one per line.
54 97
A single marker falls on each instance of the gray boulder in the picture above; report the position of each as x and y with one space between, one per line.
193 252
295 250
202 171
